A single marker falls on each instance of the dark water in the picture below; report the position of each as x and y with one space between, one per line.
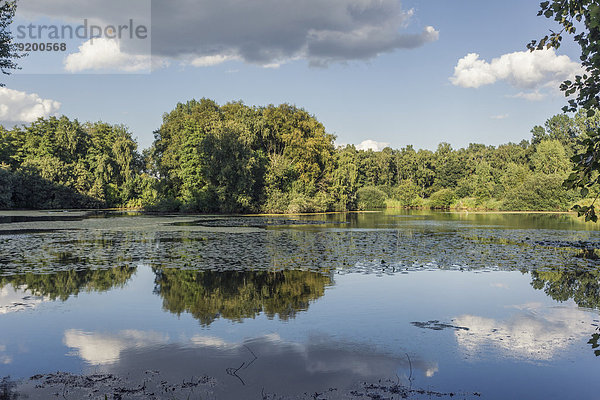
491 306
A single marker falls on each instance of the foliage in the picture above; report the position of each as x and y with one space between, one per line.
407 194
539 192
443 198
369 198
59 163
8 49
571 15
550 158
234 158
568 14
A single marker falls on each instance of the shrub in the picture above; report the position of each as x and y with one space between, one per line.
539 192
369 198
442 199
407 194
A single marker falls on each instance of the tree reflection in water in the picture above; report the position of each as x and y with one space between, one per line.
63 284
582 285
236 295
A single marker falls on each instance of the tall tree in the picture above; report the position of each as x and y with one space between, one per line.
8 49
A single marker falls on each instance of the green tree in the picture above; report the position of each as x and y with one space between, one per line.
550 157
8 49
570 15
53 157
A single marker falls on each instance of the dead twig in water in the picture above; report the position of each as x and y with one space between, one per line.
410 376
233 372
254 355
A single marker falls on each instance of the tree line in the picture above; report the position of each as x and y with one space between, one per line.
235 158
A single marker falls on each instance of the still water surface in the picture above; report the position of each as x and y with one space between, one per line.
492 306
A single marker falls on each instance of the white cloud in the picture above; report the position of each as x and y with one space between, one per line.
531 96
209 61
372 145
105 54
500 116
523 69
16 106
534 333
98 348
210 341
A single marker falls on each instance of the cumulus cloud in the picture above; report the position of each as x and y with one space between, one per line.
264 32
533 333
523 70
98 348
16 106
372 145
105 54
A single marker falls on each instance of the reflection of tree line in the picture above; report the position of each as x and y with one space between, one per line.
62 284
240 294
206 295
581 285
235 295
562 284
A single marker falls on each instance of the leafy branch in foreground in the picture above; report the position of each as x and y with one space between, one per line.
8 49
569 14
580 18
585 172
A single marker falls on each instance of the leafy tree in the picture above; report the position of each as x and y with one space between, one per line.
235 158
59 163
369 198
570 14
538 133
345 178
8 49
550 158
539 192
407 193
443 198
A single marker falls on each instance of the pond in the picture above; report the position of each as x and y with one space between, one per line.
392 304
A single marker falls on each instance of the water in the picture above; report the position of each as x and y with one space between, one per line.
490 306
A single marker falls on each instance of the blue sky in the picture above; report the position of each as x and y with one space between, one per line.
373 90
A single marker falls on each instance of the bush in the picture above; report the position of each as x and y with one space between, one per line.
442 199
368 198
539 192
6 189
301 203
407 194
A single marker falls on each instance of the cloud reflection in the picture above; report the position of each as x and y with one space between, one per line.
267 361
534 332
4 359
18 299
100 348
